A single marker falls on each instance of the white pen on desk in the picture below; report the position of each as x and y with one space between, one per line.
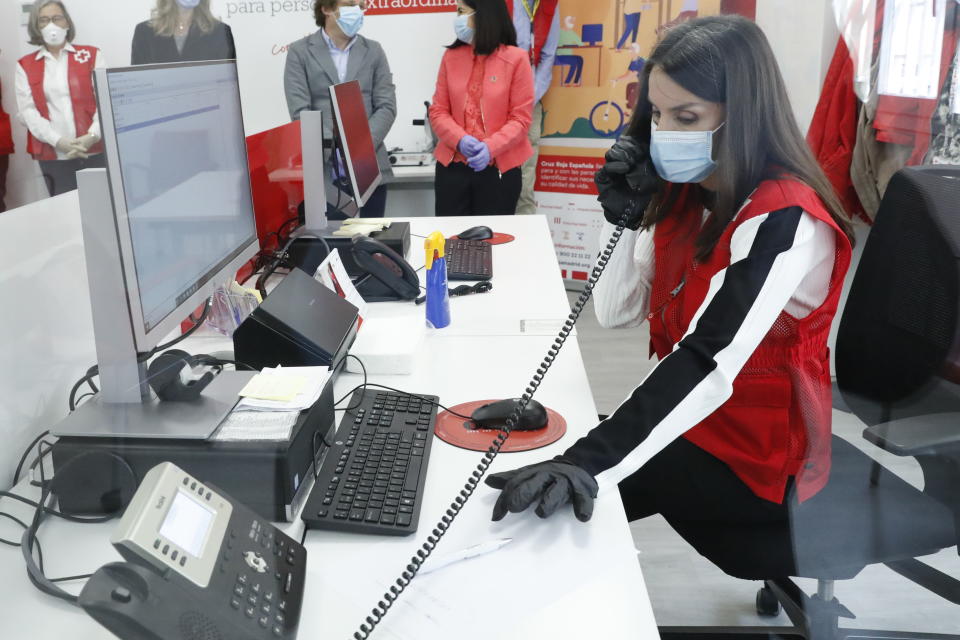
480 549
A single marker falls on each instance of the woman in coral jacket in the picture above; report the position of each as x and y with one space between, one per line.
735 253
55 98
481 113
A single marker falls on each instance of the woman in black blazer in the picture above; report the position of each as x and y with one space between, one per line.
180 31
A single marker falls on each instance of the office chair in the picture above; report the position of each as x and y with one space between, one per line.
897 357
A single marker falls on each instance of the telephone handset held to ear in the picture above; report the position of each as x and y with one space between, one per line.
199 565
634 201
388 276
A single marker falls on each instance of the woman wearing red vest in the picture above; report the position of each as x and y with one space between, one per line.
481 114
735 253
6 148
55 98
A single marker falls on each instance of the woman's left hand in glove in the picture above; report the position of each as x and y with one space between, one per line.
548 485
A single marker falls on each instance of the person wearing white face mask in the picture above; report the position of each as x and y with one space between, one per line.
481 112
181 31
337 53
734 250
55 98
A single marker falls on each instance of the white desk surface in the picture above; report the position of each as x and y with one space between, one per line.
558 579
576 579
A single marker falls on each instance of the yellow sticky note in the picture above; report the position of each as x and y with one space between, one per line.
281 388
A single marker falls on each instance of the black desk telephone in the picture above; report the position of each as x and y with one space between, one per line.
201 567
387 276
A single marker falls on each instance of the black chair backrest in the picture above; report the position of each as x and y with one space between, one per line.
897 350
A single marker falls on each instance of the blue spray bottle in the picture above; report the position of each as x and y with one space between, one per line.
438 296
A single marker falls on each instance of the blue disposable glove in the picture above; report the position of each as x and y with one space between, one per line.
481 159
338 171
469 146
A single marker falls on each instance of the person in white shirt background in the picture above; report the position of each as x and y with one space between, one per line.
55 98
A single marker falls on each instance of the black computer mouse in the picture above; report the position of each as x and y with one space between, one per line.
476 233
494 415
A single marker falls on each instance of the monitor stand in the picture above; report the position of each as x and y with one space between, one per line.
317 187
153 418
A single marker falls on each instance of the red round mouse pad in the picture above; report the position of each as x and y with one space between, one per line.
501 238
498 238
458 432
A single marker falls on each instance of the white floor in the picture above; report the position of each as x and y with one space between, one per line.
686 589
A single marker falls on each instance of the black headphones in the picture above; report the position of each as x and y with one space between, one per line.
164 376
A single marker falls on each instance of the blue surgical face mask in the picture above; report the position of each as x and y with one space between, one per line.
188 4
682 156
350 20
461 25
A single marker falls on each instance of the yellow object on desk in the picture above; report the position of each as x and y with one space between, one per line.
282 387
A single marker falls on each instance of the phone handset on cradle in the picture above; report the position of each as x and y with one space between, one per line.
388 276
199 566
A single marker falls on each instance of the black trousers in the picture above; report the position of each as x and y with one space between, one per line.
375 208
461 191
685 483
61 175
4 165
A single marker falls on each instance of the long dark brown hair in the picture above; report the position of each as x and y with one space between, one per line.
728 60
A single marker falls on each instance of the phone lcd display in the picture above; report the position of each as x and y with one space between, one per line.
187 523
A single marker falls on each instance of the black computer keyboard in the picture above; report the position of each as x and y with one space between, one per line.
372 478
469 259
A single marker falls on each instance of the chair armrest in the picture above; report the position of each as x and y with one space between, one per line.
933 434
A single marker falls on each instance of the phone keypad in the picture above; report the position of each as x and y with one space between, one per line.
262 562
259 601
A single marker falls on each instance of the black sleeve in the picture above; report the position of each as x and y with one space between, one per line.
231 48
770 256
140 47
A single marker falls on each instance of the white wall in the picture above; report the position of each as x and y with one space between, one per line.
803 36
413 43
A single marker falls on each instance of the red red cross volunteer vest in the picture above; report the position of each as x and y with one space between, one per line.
80 64
542 21
777 422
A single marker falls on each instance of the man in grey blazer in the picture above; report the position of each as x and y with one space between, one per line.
335 54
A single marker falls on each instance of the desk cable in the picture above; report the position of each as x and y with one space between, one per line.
29 540
416 561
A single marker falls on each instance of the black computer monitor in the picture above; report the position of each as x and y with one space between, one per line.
353 137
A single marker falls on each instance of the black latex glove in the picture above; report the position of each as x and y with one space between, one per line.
627 182
549 485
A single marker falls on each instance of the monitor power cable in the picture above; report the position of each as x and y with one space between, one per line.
416 561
